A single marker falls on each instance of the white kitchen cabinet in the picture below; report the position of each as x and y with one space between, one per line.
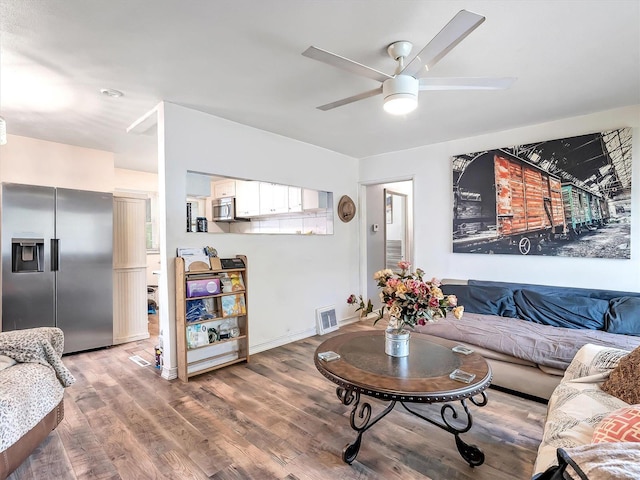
274 198
295 199
247 199
226 188
314 199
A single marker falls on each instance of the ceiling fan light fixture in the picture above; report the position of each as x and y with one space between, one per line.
400 104
400 94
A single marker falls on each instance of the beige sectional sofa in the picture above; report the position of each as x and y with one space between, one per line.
525 357
559 344
529 334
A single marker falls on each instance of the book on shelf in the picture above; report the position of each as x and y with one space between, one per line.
195 259
197 336
202 288
233 305
232 282
200 309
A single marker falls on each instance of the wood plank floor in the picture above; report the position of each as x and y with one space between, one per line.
274 418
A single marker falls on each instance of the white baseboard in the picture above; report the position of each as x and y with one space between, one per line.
131 338
278 342
169 373
349 320
357 318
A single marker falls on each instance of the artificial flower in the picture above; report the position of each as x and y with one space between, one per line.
412 301
366 308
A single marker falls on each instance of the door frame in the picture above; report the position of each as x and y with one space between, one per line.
408 228
364 226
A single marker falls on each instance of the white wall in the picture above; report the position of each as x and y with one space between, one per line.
289 276
430 167
134 181
38 162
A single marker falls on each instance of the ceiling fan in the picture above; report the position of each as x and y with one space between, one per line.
400 90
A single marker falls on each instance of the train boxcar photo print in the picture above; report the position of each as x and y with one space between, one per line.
569 197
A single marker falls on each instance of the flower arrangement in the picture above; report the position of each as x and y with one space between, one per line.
411 300
366 308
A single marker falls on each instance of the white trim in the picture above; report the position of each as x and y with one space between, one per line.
278 342
130 338
143 124
124 194
169 373
362 200
358 318
364 226
381 181
349 320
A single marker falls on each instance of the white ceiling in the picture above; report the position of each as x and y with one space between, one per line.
241 60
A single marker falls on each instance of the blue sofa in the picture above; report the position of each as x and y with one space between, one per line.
608 310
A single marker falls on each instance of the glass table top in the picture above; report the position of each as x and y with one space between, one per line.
425 360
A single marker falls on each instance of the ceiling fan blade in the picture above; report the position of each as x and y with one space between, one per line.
451 35
345 64
355 98
466 83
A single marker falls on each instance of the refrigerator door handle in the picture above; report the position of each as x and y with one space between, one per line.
55 254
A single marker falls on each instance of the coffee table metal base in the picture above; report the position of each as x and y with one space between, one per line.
361 421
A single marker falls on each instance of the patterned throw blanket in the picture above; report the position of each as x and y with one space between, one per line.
42 345
602 461
576 407
32 387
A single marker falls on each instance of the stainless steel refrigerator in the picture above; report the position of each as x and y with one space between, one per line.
57 267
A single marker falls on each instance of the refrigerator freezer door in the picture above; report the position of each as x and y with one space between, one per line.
28 222
84 283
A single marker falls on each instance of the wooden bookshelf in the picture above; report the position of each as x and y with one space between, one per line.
212 330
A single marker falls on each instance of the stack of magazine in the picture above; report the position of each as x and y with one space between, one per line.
233 305
232 282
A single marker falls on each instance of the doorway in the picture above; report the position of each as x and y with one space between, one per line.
389 230
395 229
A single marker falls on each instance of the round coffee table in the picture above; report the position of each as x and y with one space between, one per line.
422 377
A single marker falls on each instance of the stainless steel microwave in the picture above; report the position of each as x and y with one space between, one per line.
223 209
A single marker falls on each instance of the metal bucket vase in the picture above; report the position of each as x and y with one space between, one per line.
396 342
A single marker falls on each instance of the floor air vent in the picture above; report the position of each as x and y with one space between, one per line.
326 320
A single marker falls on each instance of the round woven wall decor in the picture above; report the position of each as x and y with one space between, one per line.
346 209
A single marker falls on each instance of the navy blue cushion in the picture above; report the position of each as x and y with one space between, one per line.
566 311
558 291
484 300
624 316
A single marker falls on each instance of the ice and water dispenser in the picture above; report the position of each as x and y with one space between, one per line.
27 255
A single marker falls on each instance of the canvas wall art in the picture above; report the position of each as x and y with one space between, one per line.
567 197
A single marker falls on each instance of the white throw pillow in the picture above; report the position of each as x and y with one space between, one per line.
6 362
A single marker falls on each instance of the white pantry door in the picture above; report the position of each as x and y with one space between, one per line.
130 320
